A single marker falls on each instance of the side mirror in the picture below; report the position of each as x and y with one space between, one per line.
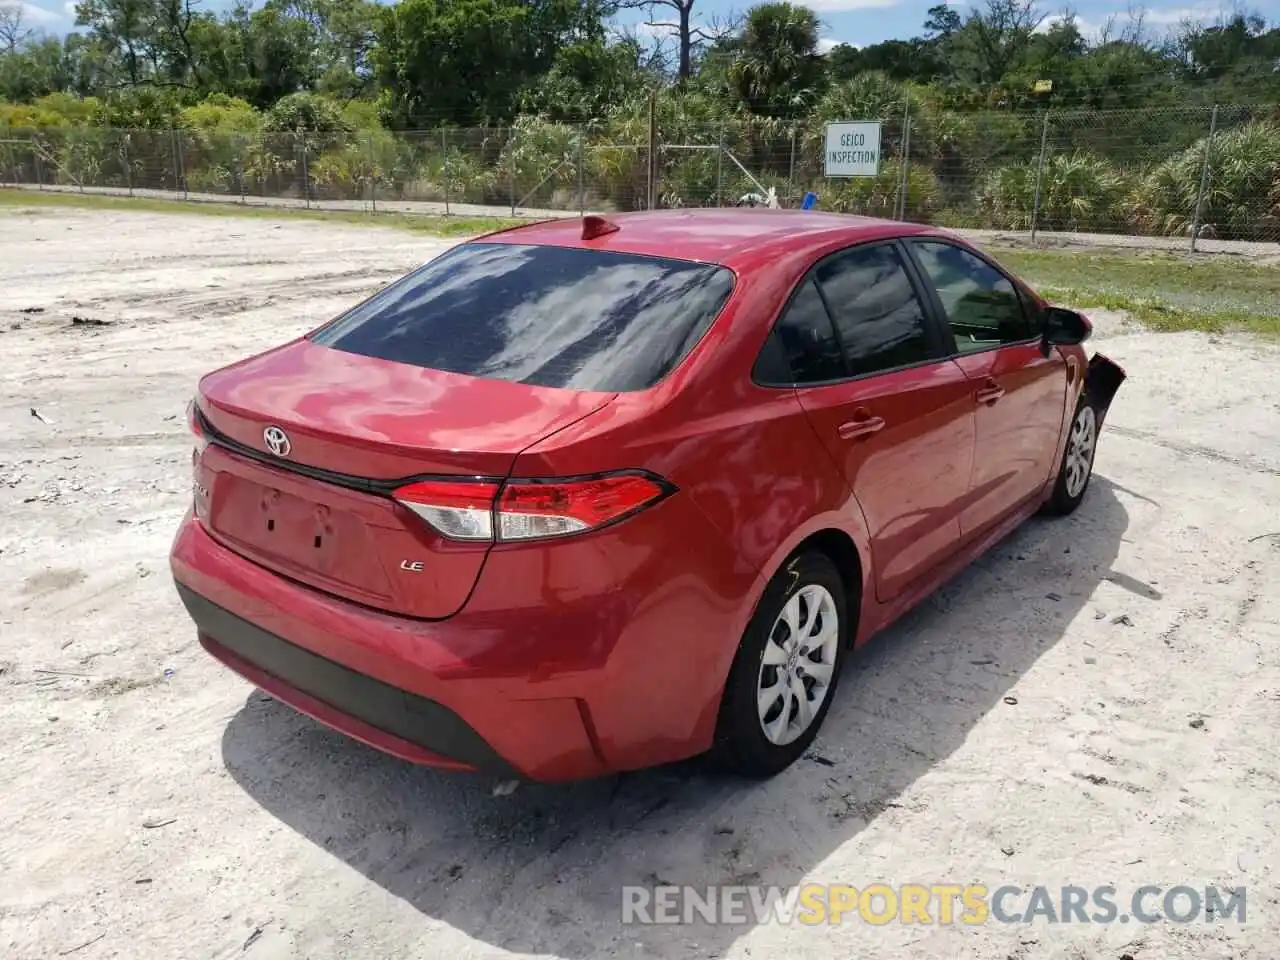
1064 328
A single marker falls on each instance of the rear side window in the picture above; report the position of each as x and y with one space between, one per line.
545 316
803 347
878 316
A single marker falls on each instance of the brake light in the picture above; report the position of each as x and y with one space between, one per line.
457 510
531 510
199 492
193 424
522 510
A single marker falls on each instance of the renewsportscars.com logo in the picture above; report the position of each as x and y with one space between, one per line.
941 904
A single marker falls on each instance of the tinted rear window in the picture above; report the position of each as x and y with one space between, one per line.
546 316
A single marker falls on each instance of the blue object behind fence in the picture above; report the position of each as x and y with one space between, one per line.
809 202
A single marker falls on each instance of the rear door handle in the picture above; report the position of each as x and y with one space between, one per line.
990 393
866 426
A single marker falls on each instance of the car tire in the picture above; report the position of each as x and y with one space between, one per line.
752 737
1075 470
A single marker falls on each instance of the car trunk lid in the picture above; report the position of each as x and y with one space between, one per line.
313 500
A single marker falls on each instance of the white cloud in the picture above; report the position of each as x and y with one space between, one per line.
836 6
655 29
1176 15
1086 27
70 8
38 16
827 44
1114 23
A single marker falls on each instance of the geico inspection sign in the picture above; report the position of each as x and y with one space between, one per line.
853 149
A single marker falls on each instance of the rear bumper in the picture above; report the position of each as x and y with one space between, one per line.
606 654
398 721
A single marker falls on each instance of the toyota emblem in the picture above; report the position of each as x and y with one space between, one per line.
277 441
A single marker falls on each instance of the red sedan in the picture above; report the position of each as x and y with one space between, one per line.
586 495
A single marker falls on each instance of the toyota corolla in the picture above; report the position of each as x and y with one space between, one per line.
590 495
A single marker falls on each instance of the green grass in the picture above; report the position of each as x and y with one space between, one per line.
1164 291
19 201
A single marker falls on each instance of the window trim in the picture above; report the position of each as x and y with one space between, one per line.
948 334
937 331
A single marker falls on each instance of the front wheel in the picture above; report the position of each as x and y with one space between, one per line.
1076 468
782 680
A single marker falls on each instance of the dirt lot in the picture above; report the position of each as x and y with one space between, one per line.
1096 702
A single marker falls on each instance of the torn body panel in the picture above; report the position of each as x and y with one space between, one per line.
1102 381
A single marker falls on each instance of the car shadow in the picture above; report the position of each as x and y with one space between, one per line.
542 871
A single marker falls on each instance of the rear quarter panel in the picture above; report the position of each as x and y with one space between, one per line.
747 456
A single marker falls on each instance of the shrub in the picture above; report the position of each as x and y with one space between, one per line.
300 113
538 156
878 196
1242 194
1078 191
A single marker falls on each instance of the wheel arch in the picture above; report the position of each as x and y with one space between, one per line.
840 535
839 547
842 551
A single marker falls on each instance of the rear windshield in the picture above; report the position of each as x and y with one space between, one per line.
546 316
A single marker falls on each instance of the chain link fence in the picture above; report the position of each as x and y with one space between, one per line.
1193 173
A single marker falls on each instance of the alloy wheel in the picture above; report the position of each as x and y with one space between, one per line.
799 660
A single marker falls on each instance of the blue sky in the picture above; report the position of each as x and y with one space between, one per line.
859 22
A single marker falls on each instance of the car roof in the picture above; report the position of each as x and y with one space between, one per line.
732 237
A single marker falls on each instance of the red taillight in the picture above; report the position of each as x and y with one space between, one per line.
199 493
529 509
193 423
458 510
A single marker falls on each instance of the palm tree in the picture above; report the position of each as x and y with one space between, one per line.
776 67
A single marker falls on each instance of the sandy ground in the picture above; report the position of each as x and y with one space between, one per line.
1096 701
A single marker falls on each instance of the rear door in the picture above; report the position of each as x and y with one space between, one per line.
1018 392
895 414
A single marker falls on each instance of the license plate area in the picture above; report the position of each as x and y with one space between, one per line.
299 536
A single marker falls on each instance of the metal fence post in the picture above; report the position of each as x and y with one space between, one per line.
582 174
178 181
240 166
35 149
444 165
791 167
1204 177
651 175
306 174
720 168
906 158
182 162
511 168
128 164
1035 207
373 177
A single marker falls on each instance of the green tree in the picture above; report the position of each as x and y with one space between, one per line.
776 67
14 31
468 61
586 79
992 40
942 22
127 29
